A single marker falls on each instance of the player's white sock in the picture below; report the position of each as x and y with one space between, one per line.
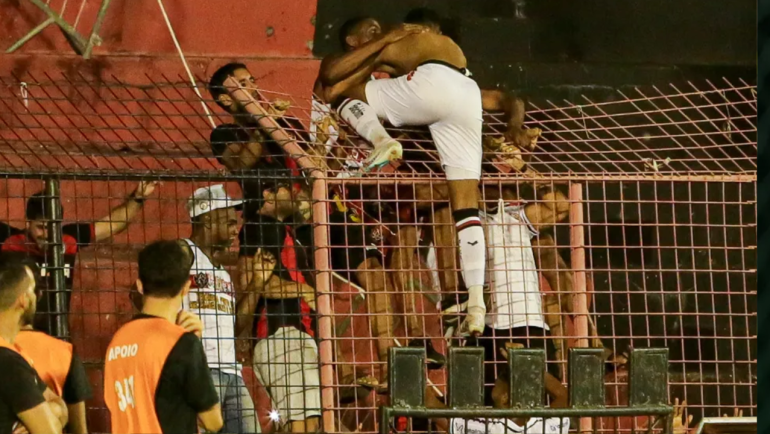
473 250
364 120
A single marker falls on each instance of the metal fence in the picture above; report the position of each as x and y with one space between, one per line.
647 234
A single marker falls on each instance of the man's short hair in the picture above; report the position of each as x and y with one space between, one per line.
225 134
424 16
347 28
12 275
164 267
37 205
217 81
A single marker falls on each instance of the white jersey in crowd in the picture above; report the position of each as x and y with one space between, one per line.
512 276
318 112
355 157
535 425
212 298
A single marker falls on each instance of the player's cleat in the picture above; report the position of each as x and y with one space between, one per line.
383 154
473 324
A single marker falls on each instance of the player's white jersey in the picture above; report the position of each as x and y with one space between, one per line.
212 297
512 276
535 425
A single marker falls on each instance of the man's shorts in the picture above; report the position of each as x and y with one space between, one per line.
444 99
286 364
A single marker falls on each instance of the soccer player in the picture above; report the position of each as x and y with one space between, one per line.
24 398
212 298
34 242
156 378
433 88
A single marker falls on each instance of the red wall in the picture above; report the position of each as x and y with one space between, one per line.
137 50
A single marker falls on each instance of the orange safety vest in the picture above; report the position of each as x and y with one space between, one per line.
52 357
132 369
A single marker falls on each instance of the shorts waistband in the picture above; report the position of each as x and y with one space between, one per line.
463 71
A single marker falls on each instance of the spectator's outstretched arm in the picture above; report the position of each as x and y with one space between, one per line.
77 418
41 420
119 218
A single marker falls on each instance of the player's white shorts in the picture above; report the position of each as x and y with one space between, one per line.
286 364
445 100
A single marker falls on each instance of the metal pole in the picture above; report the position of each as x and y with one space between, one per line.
95 29
323 291
56 256
78 43
580 301
32 33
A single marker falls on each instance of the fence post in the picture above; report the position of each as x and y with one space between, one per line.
53 213
580 301
323 291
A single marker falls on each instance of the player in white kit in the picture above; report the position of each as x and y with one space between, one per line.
212 298
432 88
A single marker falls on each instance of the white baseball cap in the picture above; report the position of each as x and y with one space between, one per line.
207 199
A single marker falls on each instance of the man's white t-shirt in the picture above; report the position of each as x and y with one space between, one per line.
535 425
212 298
512 275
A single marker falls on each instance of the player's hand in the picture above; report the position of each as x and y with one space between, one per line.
190 322
681 425
145 189
262 266
403 31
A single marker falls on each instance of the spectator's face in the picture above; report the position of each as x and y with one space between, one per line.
38 231
29 293
223 224
364 32
241 156
247 82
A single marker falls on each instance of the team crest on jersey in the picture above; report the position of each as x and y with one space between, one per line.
201 280
376 235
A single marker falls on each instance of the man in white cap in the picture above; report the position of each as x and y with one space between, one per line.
212 298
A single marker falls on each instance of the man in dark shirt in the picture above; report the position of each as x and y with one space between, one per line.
156 374
24 397
34 242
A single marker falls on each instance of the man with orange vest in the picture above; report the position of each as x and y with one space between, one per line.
156 376
61 370
24 397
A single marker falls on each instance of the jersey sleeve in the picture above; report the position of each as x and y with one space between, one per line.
83 233
76 388
199 390
22 389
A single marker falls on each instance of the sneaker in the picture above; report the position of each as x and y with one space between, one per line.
383 154
435 359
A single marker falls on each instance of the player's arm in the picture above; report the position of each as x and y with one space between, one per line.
119 218
336 68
